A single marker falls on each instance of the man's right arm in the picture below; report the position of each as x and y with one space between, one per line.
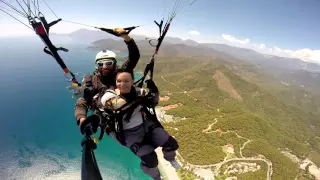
81 106
81 109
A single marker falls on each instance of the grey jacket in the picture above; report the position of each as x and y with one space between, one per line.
112 100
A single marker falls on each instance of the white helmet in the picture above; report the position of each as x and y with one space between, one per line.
106 54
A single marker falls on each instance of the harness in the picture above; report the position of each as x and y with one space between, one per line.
147 138
114 123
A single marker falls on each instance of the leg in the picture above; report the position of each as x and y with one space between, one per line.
160 137
149 159
169 149
149 165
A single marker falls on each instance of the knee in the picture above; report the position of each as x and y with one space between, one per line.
171 144
150 160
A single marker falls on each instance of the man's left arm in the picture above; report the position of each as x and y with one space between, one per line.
134 53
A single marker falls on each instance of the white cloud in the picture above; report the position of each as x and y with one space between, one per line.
305 54
262 46
194 33
235 40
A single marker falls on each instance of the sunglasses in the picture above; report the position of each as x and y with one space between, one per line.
107 63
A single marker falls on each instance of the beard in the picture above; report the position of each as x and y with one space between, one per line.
105 72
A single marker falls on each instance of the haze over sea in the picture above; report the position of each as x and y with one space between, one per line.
39 139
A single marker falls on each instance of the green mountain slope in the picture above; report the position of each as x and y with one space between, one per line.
258 115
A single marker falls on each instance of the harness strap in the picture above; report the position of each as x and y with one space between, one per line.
147 139
129 113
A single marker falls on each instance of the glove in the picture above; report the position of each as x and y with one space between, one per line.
148 100
92 122
119 30
88 94
122 34
152 86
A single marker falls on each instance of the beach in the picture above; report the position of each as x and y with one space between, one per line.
167 171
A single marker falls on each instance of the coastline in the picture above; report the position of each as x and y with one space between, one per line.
167 171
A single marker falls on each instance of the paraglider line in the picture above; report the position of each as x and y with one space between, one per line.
29 9
22 8
14 8
193 2
36 7
22 15
78 23
16 19
28 5
50 9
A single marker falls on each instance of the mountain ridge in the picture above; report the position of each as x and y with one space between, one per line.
246 54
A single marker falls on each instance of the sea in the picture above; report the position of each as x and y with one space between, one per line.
39 138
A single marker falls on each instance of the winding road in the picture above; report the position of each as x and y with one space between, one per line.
219 164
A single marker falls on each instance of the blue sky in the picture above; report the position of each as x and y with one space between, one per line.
276 26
